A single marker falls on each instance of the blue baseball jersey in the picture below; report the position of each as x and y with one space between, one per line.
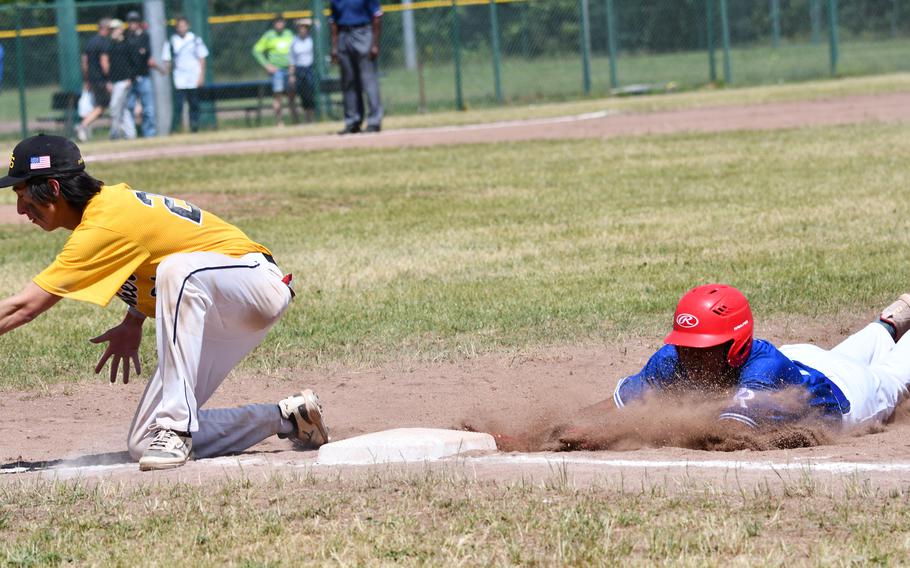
354 12
765 372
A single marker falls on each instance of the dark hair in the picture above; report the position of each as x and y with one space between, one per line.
279 17
181 18
76 188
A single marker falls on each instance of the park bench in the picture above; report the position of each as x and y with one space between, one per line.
66 104
255 96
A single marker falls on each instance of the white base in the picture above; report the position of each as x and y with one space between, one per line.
404 445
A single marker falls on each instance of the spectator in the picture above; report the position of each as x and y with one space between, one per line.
185 54
96 66
272 51
356 26
121 73
300 72
142 90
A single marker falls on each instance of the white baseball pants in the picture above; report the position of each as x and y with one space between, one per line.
870 369
211 311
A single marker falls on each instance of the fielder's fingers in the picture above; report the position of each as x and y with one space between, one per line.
101 338
135 357
107 355
126 371
115 366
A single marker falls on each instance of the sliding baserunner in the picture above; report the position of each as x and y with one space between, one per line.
213 292
711 352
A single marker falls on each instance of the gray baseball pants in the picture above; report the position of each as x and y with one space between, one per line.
359 75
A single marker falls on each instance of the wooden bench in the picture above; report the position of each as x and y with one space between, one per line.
216 92
67 103
257 95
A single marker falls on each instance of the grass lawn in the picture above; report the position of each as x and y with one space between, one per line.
440 253
443 519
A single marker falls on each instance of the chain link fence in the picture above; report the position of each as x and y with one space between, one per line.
444 54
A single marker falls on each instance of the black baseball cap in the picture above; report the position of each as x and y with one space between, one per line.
42 156
133 16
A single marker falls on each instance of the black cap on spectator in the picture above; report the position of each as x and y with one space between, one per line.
133 16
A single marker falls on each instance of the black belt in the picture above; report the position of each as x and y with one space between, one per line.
287 278
351 28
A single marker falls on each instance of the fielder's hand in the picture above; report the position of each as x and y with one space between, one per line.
123 345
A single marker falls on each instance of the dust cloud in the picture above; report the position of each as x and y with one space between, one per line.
683 421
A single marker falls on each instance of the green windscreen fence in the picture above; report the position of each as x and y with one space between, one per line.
444 54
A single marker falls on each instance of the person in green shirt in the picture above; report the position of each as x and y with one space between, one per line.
272 51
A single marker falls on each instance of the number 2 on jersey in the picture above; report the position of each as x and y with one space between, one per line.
190 212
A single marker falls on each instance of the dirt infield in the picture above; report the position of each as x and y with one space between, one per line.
843 110
515 392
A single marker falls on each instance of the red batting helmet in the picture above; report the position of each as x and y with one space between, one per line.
711 315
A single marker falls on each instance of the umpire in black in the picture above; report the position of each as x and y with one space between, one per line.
356 26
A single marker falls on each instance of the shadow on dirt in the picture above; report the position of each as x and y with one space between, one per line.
109 458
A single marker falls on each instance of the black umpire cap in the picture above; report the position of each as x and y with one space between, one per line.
42 156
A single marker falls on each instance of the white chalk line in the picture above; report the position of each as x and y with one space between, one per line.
805 465
520 460
253 145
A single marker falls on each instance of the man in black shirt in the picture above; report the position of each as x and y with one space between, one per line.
96 66
121 77
142 90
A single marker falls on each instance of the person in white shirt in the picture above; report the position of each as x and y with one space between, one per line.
185 55
301 73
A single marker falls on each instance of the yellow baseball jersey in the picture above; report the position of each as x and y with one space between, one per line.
123 237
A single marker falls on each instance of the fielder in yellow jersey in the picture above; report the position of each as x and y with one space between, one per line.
124 235
214 294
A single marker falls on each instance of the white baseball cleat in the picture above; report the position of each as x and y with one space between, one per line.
305 413
169 449
898 315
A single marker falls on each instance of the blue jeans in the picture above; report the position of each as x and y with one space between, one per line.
280 80
142 89
192 98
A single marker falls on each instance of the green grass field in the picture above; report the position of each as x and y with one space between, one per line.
445 519
442 253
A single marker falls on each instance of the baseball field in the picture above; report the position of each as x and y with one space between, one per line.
459 271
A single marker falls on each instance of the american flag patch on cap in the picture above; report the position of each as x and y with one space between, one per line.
39 162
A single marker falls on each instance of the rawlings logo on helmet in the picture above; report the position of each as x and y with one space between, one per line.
686 321
711 315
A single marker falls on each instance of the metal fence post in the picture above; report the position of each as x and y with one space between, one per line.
526 30
456 56
832 35
494 43
161 83
612 51
197 12
815 14
585 46
775 23
725 33
712 62
319 43
68 47
20 75
410 37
